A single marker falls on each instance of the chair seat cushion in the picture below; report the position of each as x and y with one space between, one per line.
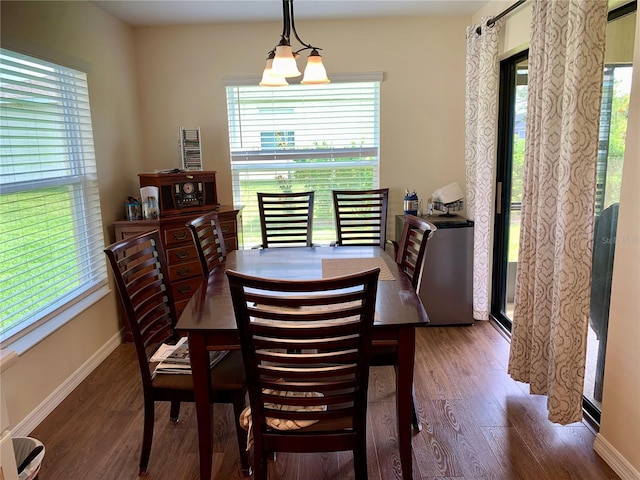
279 423
228 374
300 425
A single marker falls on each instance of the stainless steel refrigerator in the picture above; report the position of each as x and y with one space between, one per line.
446 289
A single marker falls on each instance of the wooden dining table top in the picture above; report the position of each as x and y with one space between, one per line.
211 309
209 321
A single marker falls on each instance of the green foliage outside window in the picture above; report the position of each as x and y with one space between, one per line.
23 250
617 138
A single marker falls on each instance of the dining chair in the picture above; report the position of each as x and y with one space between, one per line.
306 348
209 241
361 216
286 219
410 257
140 272
412 247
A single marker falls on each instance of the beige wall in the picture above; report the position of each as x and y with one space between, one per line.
620 423
79 33
181 71
619 437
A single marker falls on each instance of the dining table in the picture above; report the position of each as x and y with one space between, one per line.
209 322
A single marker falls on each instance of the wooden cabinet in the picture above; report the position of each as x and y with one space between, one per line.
185 272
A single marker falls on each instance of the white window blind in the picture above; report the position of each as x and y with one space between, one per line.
302 138
51 237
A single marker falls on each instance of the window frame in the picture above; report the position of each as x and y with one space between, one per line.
73 172
249 157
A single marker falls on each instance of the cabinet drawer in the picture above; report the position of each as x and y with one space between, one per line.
173 236
185 289
181 254
184 271
180 306
230 243
228 228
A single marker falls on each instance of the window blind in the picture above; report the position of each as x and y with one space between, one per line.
51 237
302 138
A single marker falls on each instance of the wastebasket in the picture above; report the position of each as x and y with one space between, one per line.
29 454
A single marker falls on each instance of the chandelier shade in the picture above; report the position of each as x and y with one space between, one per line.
315 73
284 62
270 79
281 61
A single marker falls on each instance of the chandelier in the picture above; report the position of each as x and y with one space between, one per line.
281 61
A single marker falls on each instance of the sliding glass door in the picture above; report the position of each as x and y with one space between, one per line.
512 131
510 165
616 91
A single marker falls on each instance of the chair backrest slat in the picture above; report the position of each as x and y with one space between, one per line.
361 216
286 219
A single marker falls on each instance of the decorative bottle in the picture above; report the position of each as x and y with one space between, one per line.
410 203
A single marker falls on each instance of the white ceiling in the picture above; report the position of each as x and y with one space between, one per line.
180 12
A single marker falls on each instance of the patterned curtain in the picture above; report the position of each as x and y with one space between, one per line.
550 322
480 152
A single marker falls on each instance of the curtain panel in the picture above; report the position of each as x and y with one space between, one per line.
482 75
550 322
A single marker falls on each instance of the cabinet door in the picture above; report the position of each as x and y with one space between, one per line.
126 229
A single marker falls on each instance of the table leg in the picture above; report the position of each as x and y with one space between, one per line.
204 409
404 394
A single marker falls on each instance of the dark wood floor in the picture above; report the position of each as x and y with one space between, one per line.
477 424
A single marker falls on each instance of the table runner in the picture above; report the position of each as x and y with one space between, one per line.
336 267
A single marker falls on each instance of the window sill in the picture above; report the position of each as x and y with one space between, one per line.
34 337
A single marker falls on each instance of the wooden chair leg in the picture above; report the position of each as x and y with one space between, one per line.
238 406
415 419
260 463
174 412
360 459
147 434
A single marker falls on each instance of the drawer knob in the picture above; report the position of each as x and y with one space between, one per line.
184 289
225 228
183 272
183 254
180 235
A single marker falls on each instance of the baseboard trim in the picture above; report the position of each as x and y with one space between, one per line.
613 458
32 420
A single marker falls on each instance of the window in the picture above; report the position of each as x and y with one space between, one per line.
616 92
302 138
51 237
